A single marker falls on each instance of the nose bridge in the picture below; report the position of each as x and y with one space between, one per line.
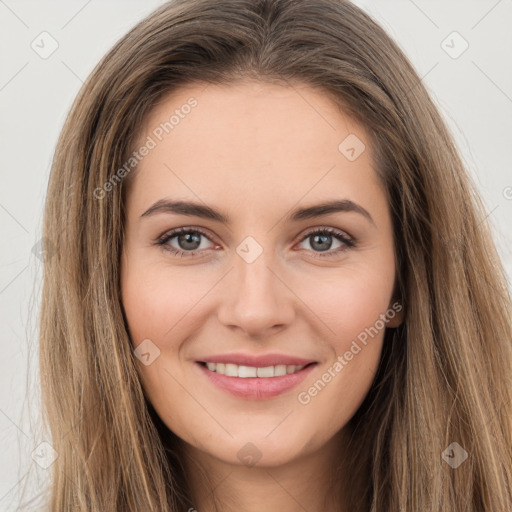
257 299
254 275
256 284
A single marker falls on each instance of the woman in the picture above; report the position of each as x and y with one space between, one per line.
337 337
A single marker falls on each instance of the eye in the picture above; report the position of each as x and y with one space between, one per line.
321 241
188 241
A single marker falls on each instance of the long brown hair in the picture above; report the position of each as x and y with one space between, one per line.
445 373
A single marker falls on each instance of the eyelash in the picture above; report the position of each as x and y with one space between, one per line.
348 242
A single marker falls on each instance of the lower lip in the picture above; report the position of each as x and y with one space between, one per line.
256 388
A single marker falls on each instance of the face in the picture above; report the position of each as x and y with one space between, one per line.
229 260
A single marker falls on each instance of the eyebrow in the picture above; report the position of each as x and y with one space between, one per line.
200 210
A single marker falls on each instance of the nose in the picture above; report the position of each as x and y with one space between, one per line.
256 299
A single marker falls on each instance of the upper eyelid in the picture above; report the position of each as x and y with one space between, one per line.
177 231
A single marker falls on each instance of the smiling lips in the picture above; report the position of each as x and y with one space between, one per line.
255 377
244 372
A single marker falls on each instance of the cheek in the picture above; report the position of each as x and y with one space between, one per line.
155 300
156 305
162 305
338 389
349 302
353 309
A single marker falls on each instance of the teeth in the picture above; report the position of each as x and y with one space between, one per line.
231 370
279 370
234 370
267 371
248 371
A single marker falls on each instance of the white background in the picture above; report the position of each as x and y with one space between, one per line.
473 91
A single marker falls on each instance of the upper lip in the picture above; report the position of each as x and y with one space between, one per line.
260 361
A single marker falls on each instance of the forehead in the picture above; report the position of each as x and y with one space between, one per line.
241 140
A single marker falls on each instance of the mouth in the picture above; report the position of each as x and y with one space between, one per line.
246 372
254 382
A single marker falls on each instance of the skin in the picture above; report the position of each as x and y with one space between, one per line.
256 151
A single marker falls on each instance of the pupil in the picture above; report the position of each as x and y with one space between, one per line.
324 241
186 238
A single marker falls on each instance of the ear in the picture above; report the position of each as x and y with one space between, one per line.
395 313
